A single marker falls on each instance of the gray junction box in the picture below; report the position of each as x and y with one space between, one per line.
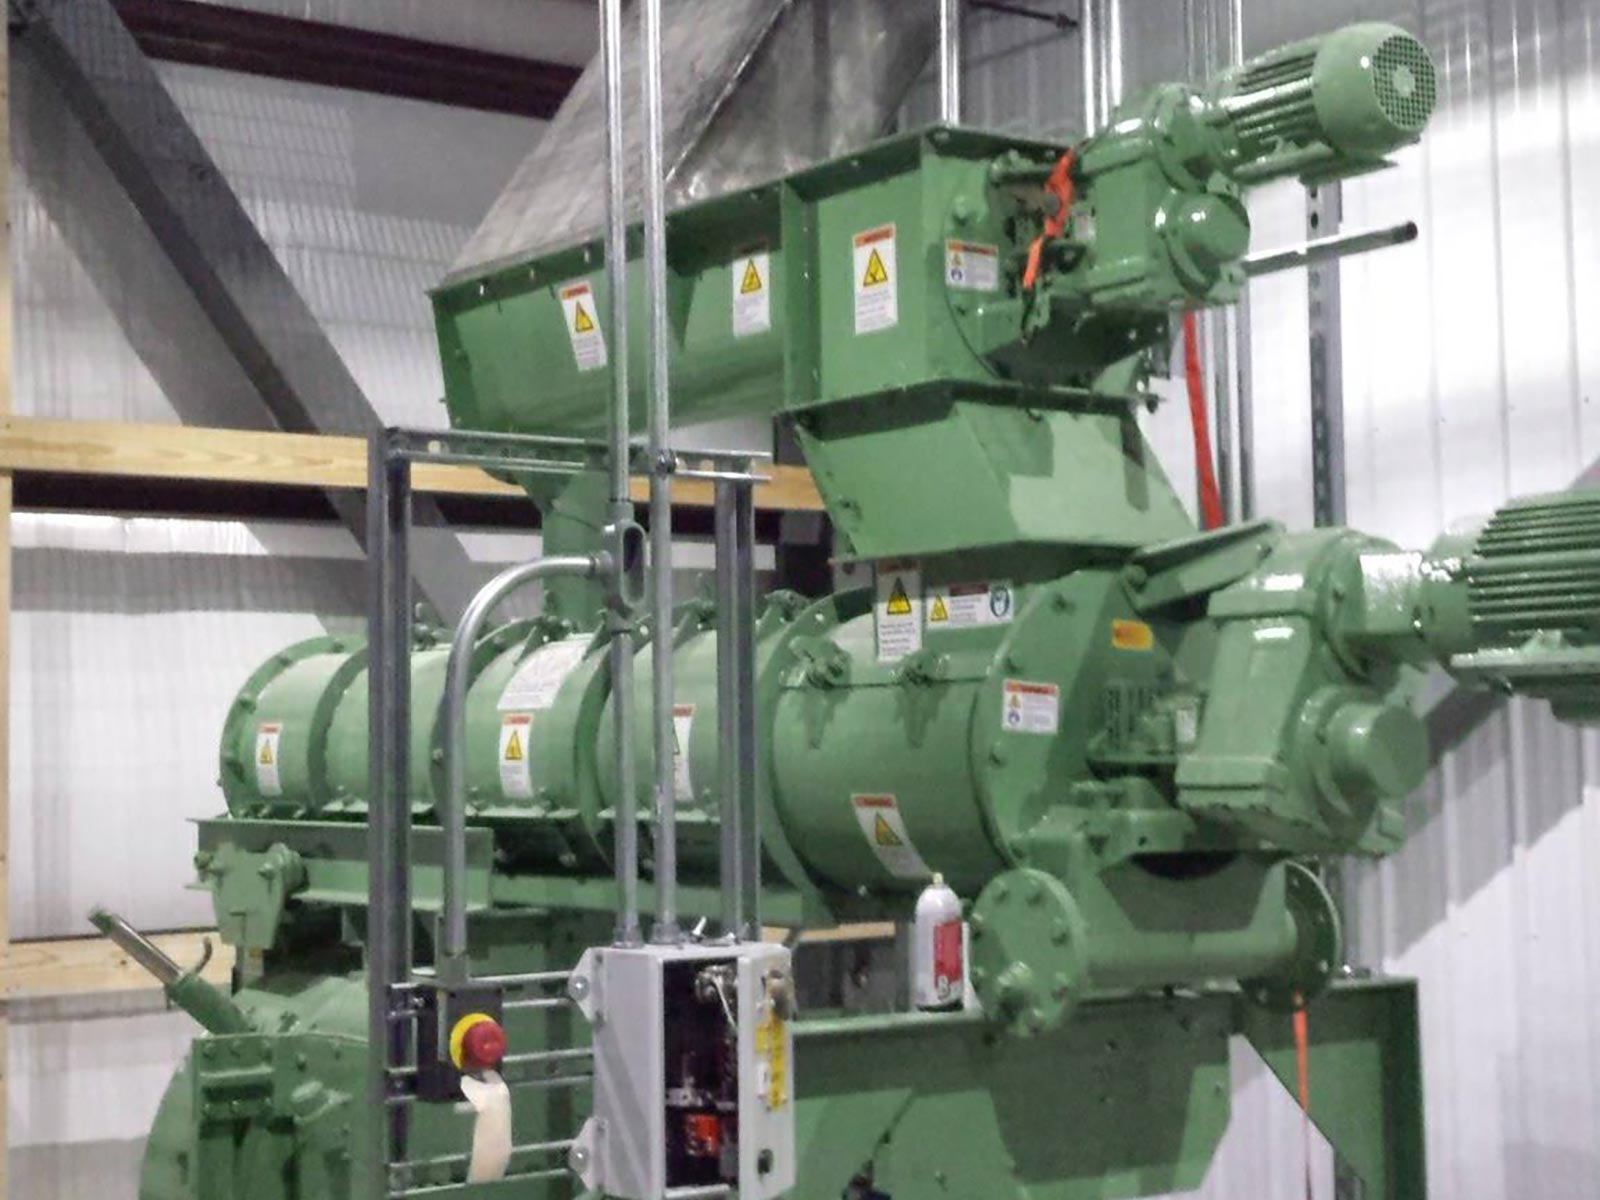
693 1075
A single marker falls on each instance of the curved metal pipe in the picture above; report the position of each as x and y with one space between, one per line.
458 675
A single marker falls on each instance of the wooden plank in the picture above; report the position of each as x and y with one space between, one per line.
251 457
81 966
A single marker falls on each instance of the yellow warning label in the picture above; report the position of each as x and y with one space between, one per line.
265 757
899 603
1132 635
582 322
940 611
752 279
883 833
514 746
876 273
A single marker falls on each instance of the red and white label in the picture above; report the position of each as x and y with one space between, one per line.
1030 707
583 326
877 280
516 771
885 831
269 782
949 976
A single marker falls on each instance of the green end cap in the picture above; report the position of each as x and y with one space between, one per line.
1374 87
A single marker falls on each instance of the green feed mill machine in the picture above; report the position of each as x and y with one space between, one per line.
1126 745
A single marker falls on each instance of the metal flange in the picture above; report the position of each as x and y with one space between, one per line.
1030 963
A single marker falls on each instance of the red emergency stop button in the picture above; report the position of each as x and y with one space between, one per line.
477 1043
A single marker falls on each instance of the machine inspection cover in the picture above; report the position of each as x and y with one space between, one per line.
876 280
516 774
752 295
885 831
268 781
898 611
588 343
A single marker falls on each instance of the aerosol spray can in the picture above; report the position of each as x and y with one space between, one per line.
938 950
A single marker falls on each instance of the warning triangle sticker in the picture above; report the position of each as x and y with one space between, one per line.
899 602
752 278
514 746
265 758
883 833
876 273
582 322
940 612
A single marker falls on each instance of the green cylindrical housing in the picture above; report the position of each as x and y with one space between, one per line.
1327 106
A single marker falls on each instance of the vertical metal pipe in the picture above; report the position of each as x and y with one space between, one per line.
621 650
389 812
950 61
1111 40
744 688
661 465
729 620
1244 399
1089 53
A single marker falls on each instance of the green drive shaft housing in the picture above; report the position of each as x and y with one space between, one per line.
1120 737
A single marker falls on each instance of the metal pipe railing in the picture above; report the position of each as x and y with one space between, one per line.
661 466
620 653
950 61
458 675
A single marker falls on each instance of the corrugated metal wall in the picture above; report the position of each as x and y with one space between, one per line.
1468 377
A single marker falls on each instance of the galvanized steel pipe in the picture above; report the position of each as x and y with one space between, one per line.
661 466
458 676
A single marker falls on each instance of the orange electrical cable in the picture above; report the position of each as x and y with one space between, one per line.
1302 1058
1060 186
1211 514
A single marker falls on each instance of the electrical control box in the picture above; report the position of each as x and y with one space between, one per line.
693 1070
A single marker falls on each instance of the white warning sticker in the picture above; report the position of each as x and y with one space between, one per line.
898 611
1030 707
583 326
752 295
516 776
268 781
876 280
972 266
682 727
539 678
964 605
885 831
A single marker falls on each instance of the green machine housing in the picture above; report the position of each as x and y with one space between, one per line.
1125 741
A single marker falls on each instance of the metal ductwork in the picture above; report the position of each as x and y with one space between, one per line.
753 90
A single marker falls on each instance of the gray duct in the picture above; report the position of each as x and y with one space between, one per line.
753 89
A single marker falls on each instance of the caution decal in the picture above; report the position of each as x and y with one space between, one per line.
965 605
1030 707
682 727
583 326
885 831
752 295
539 678
516 775
269 737
898 611
972 266
876 278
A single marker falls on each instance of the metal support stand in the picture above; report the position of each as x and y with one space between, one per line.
396 990
1323 214
740 860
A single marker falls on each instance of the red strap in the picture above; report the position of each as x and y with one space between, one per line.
1302 1056
1200 415
1060 186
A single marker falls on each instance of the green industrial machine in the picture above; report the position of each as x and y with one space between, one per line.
1126 743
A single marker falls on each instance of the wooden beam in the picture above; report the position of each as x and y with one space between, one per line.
248 457
87 965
